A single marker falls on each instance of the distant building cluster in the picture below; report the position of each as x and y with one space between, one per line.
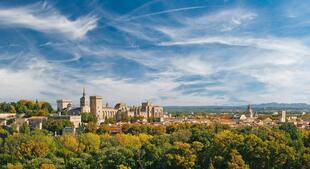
247 118
120 112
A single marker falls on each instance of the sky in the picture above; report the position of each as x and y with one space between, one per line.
171 52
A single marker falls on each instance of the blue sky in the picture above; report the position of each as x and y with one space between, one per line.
170 52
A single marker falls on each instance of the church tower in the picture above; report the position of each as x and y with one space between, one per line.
250 111
84 103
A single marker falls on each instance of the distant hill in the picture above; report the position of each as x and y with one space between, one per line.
283 105
265 107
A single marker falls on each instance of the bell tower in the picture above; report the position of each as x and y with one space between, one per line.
84 103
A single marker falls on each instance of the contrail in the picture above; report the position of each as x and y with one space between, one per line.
164 12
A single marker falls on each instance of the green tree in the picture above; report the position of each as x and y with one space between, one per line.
181 136
3 135
110 120
113 157
56 125
255 152
77 163
291 129
236 161
180 156
88 117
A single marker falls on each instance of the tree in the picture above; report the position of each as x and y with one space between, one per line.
91 127
103 129
122 167
25 128
14 166
56 125
181 136
221 146
291 129
306 159
128 141
47 106
31 108
203 136
24 147
151 158
305 134
77 163
113 157
236 161
180 156
211 165
88 117
47 166
7 108
91 141
70 142
255 151
3 135
110 120
34 147
280 155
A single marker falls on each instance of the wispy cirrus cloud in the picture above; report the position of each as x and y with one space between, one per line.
44 18
284 44
164 12
171 53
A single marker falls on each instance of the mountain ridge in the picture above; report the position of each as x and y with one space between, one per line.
272 106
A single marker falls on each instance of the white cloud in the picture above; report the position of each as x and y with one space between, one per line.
192 65
279 44
269 60
164 12
19 84
223 20
226 20
43 18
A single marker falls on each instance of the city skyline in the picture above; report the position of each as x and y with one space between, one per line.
169 52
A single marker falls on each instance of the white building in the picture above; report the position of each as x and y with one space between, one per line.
283 117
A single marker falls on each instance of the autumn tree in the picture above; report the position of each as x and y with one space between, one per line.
48 166
90 142
236 161
180 156
14 166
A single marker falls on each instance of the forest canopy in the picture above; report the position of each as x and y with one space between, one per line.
27 107
179 146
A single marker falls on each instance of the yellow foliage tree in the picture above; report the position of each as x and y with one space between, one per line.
236 161
47 166
122 167
70 142
90 141
16 166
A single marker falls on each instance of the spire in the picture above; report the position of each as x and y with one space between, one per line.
250 111
84 93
